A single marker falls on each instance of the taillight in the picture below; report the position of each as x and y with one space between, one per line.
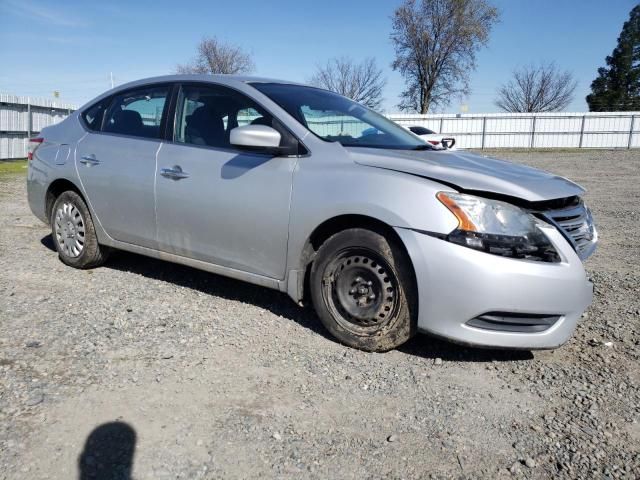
433 142
34 143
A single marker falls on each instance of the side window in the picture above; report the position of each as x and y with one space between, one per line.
206 114
94 114
137 112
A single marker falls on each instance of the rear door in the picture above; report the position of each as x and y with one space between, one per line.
116 162
217 203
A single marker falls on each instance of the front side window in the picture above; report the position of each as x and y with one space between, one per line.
138 112
206 114
337 119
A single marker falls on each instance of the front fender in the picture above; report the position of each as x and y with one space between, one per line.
322 192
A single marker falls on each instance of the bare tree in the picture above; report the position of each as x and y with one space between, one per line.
435 43
361 82
541 88
215 56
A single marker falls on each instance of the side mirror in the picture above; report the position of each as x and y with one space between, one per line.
256 137
448 142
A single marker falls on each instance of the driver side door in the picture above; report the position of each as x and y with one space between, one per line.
224 205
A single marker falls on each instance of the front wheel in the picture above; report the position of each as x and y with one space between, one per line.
363 289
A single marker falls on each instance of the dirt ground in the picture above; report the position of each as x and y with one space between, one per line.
160 371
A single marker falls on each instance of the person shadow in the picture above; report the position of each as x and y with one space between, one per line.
108 453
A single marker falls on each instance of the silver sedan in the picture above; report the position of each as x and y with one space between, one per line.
304 191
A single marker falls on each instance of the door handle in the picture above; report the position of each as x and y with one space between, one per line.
174 173
89 160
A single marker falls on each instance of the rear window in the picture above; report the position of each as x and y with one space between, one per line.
421 131
93 115
138 113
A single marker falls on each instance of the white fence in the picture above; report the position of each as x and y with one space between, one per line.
533 130
23 117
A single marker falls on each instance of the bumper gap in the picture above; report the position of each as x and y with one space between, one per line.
514 322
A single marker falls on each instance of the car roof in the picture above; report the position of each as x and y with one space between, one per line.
229 80
199 77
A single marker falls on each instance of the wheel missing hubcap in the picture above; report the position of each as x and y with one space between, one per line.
361 291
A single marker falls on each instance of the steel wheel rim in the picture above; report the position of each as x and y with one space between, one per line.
361 291
69 229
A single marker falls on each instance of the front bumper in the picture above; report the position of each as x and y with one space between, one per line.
457 284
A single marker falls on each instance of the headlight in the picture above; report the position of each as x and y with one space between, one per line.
497 227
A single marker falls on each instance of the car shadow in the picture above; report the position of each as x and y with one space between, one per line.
278 303
47 241
428 346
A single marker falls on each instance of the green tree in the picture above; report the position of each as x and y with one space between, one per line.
617 87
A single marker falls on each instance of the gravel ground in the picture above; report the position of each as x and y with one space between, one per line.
206 377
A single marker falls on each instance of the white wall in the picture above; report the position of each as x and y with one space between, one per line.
492 130
15 126
529 130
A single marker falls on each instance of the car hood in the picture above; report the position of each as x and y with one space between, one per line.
472 172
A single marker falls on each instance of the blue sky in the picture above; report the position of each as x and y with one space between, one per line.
72 46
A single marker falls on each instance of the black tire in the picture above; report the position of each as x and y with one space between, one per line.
363 289
74 235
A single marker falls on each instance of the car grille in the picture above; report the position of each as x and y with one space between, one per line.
576 224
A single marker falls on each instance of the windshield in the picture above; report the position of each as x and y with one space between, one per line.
335 118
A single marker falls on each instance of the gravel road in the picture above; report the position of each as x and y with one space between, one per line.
174 373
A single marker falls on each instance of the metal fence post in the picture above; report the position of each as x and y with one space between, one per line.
484 129
633 121
582 131
29 119
441 124
533 132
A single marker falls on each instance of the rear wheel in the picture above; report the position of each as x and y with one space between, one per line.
73 233
363 289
